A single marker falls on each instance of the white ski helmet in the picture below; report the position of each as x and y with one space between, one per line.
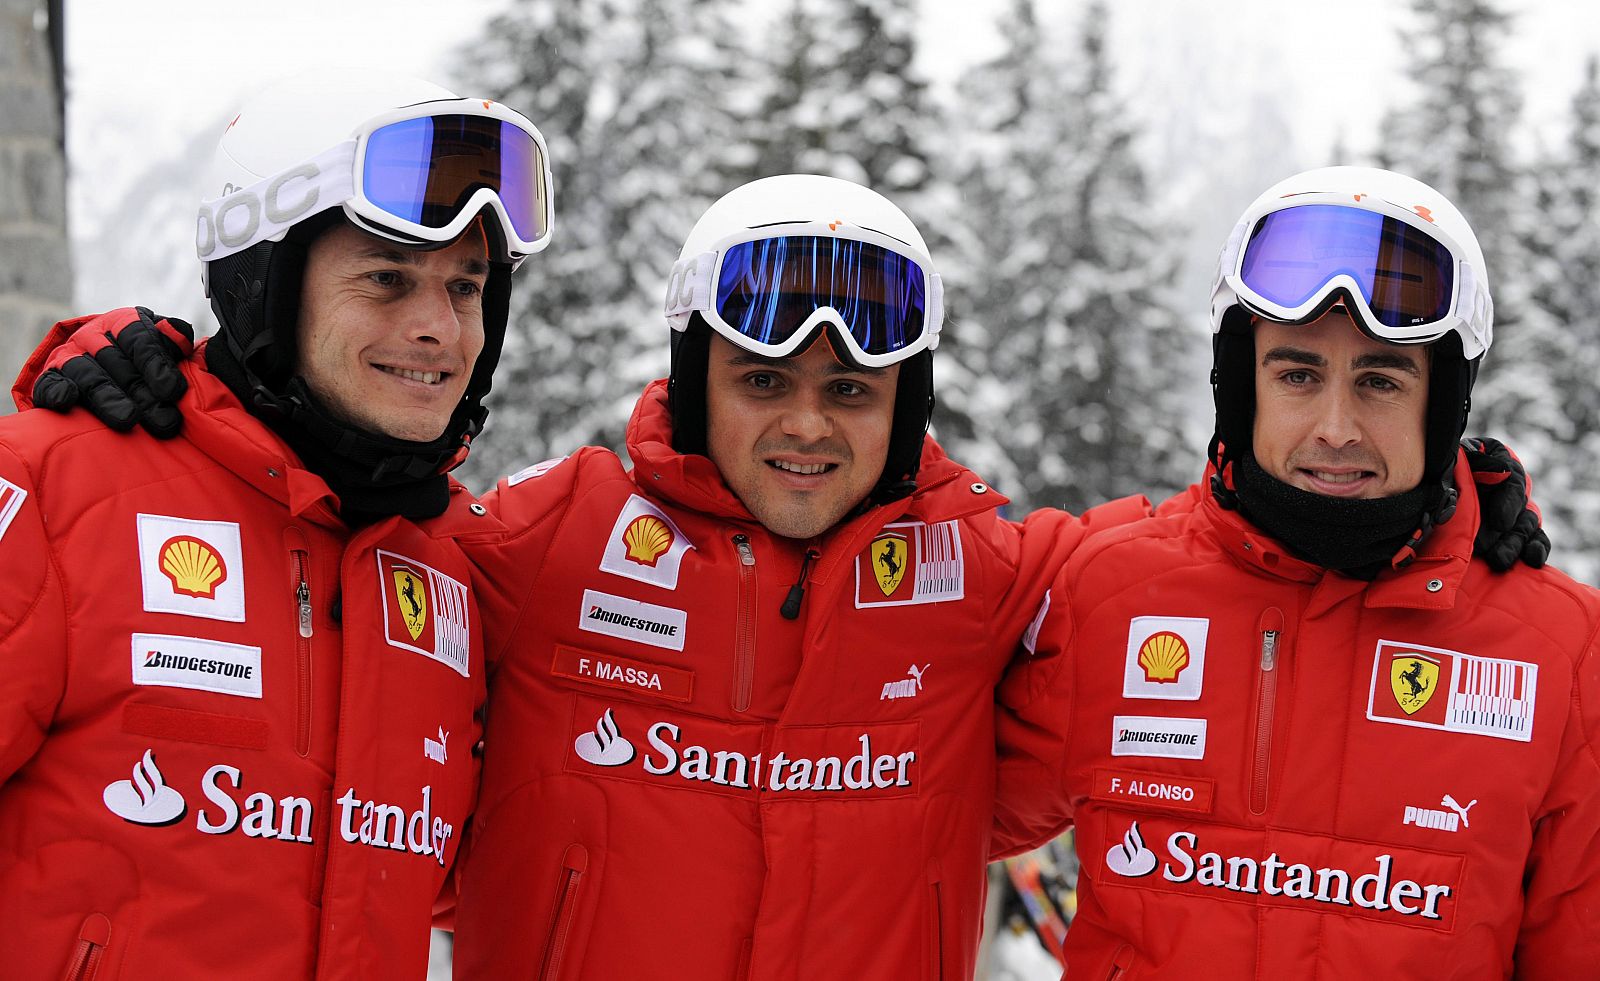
778 261
1395 252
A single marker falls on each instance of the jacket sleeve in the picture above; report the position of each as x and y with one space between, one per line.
1560 933
33 635
531 504
1030 717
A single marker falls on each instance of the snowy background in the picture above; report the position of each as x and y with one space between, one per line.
1075 166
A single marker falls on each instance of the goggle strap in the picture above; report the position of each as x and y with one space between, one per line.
268 208
689 288
934 318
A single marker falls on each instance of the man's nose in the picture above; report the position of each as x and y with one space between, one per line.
806 417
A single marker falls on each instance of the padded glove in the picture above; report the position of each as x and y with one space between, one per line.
1509 530
123 367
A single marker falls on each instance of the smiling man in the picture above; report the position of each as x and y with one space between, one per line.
242 669
1301 730
742 721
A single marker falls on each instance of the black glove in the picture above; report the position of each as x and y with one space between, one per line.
123 367
1509 530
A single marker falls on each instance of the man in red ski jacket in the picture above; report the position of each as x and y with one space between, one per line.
1300 729
243 666
742 715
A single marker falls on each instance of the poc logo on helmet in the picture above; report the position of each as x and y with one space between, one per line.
236 220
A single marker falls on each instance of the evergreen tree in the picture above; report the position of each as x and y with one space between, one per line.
1564 245
640 101
1095 365
1456 134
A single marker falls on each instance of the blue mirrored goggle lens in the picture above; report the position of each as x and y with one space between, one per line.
424 170
767 289
1406 276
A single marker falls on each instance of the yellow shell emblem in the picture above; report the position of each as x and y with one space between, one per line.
646 537
1163 656
413 597
1413 679
193 567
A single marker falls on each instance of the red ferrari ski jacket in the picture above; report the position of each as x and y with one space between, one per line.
236 737
1280 772
683 784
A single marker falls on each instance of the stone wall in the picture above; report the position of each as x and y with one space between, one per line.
35 269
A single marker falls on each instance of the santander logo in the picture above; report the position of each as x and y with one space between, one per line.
1131 858
605 746
146 799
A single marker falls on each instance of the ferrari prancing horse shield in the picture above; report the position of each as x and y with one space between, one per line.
889 554
413 597
1413 678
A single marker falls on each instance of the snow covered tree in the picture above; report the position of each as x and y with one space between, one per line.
1456 134
639 102
1092 366
1563 241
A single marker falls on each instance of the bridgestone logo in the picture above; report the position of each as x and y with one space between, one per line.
168 661
1176 738
634 623
202 665
631 619
1160 736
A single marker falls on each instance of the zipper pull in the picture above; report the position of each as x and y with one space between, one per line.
797 592
1271 626
303 595
747 555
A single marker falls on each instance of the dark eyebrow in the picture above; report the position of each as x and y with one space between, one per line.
473 266
1295 355
1399 362
747 359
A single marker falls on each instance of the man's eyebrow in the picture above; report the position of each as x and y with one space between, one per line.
1295 355
472 265
749 359
1399 362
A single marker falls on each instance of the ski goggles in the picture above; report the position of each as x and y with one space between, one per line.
769 290
1401 277
418 175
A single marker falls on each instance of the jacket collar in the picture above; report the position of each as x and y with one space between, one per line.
219 425
1431 581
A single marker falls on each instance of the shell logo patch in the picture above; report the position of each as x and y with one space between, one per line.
646 538
1434 688
911 562
1163 656
425 611
413 597
645 545
1166 658
889 552
191 567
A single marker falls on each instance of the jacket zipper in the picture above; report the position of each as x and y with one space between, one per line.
573 864
298 560
1271 626
744 648
93 937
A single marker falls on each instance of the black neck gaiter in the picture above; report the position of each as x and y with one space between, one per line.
374 476
1359 538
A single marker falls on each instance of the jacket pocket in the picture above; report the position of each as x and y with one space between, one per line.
93 938
574 862
1121 968
935 933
